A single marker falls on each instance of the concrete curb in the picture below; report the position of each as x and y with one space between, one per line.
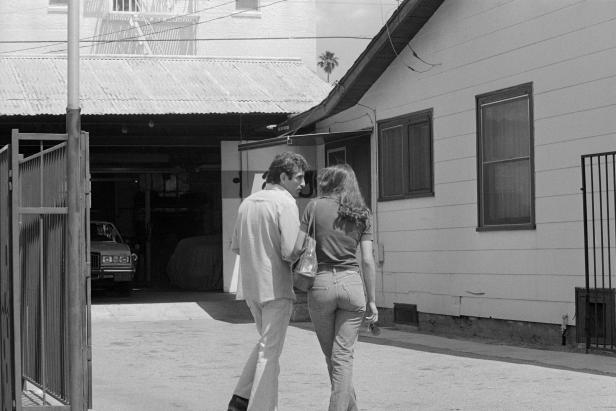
573 361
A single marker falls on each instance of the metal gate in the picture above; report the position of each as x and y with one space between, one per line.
33 282
596 304
8 377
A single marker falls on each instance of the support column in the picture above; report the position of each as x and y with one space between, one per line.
74 267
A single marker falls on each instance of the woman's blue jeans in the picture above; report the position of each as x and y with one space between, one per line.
337 304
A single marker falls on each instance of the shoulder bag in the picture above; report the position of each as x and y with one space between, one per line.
305 269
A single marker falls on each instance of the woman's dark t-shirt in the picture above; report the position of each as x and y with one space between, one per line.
337 238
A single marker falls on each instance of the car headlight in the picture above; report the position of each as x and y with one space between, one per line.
115 259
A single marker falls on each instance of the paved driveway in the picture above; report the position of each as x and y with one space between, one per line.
187 356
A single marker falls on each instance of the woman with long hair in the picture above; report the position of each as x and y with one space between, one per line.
337 299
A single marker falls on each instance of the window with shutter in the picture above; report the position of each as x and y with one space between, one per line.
405 157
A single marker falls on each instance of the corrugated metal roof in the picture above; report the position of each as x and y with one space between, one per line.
33 85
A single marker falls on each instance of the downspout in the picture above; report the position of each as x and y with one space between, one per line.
241 170
563 329
374 161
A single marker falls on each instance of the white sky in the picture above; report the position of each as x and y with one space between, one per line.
362 18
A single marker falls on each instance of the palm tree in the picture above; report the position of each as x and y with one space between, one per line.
328 62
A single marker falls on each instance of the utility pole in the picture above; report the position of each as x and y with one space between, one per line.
76 279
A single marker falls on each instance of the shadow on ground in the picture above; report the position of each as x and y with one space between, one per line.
218 305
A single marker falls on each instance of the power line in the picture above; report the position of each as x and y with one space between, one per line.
128 40
138 38
142 37
23 11
317 2
393 48
123 30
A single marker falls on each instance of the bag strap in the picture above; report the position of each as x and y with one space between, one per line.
312 225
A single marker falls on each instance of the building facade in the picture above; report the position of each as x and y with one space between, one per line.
241 28
479 118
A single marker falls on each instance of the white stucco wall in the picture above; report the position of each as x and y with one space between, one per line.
231 199
434 257
35 20
275 20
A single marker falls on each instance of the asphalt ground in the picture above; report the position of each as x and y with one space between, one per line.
184 351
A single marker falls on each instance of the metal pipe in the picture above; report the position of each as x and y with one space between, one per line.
76 289
586 265
563 329
73 55
600 189
607 219
148 230
592 210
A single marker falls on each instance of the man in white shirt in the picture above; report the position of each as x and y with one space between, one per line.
264 236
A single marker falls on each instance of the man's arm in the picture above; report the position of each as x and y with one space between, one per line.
299 247
288 223
302 232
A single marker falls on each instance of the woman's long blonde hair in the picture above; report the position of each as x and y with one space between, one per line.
339 181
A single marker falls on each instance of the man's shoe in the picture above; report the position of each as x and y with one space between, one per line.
237 403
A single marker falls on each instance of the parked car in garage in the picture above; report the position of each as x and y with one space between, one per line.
111 260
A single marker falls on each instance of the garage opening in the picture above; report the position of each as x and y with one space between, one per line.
166 204
157 178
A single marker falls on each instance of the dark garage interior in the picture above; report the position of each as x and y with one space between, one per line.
158 179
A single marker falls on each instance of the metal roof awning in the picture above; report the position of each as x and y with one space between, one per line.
311 139
32 85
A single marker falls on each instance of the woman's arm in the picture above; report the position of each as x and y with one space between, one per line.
368 267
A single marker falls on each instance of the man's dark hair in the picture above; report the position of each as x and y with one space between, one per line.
288 163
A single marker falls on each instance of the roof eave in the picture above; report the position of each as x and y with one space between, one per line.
386 45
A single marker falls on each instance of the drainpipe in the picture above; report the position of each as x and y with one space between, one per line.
563 329
75 276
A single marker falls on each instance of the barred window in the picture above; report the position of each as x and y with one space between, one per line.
127 5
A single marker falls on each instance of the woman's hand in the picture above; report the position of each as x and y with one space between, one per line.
372 315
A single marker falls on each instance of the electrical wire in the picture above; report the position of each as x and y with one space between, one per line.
123 30
349 3
195 39
23 11
419 58
142 37
138 39
410 48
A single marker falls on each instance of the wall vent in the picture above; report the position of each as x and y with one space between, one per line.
602 312
406 314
